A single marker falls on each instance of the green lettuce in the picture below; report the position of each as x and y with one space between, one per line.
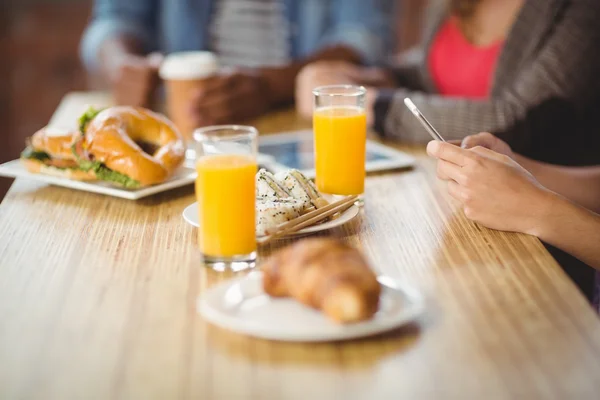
106 174
86 117
31 154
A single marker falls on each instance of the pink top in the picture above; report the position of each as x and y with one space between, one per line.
459 68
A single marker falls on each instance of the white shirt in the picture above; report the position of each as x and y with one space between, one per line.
250 33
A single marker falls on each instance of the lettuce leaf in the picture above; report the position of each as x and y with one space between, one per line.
106 174
31 154
86 117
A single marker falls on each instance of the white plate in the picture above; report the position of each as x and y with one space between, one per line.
184 176
190 214
241 305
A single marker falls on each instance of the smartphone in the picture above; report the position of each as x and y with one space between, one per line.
428 127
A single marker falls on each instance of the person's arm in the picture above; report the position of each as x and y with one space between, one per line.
114 45
558 84
245 93
579 184
360 32
279 82
497 192
118 28
571 228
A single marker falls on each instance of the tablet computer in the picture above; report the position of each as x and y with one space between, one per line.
295 150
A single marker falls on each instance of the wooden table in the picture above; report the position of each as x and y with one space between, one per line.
97 301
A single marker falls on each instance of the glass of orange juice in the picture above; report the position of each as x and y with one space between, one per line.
225 190
340 134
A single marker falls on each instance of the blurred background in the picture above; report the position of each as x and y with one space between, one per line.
39 42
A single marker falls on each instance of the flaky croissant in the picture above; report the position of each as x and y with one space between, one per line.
327 275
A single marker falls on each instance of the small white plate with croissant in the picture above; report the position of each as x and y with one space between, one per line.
315 290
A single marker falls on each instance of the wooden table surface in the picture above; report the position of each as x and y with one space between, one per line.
97 301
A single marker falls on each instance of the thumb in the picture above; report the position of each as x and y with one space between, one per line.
483 139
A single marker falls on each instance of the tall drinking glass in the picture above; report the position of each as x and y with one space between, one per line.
225 189
340 133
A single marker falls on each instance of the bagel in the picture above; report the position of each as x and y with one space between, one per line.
130 146
55 142
49 152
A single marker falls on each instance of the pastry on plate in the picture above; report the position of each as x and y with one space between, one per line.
327 275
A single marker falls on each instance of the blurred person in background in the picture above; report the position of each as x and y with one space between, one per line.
507 191
524 70
266 41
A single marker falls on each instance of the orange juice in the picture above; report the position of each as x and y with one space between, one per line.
225 188
340 147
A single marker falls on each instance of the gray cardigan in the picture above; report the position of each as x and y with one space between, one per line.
545 91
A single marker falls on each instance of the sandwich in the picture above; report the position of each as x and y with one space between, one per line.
49 152
129 147
301 187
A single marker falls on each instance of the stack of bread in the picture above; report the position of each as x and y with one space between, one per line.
283 197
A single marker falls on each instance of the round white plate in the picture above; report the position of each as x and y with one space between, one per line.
190 214
241 305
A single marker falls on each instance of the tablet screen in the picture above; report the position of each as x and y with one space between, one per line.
295 150
299 155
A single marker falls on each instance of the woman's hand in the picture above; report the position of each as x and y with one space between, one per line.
232 96
493 189
336 73
320 74
134 78
489 141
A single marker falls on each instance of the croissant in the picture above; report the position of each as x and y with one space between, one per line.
327 275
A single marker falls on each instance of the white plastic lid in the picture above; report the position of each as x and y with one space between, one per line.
189 65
